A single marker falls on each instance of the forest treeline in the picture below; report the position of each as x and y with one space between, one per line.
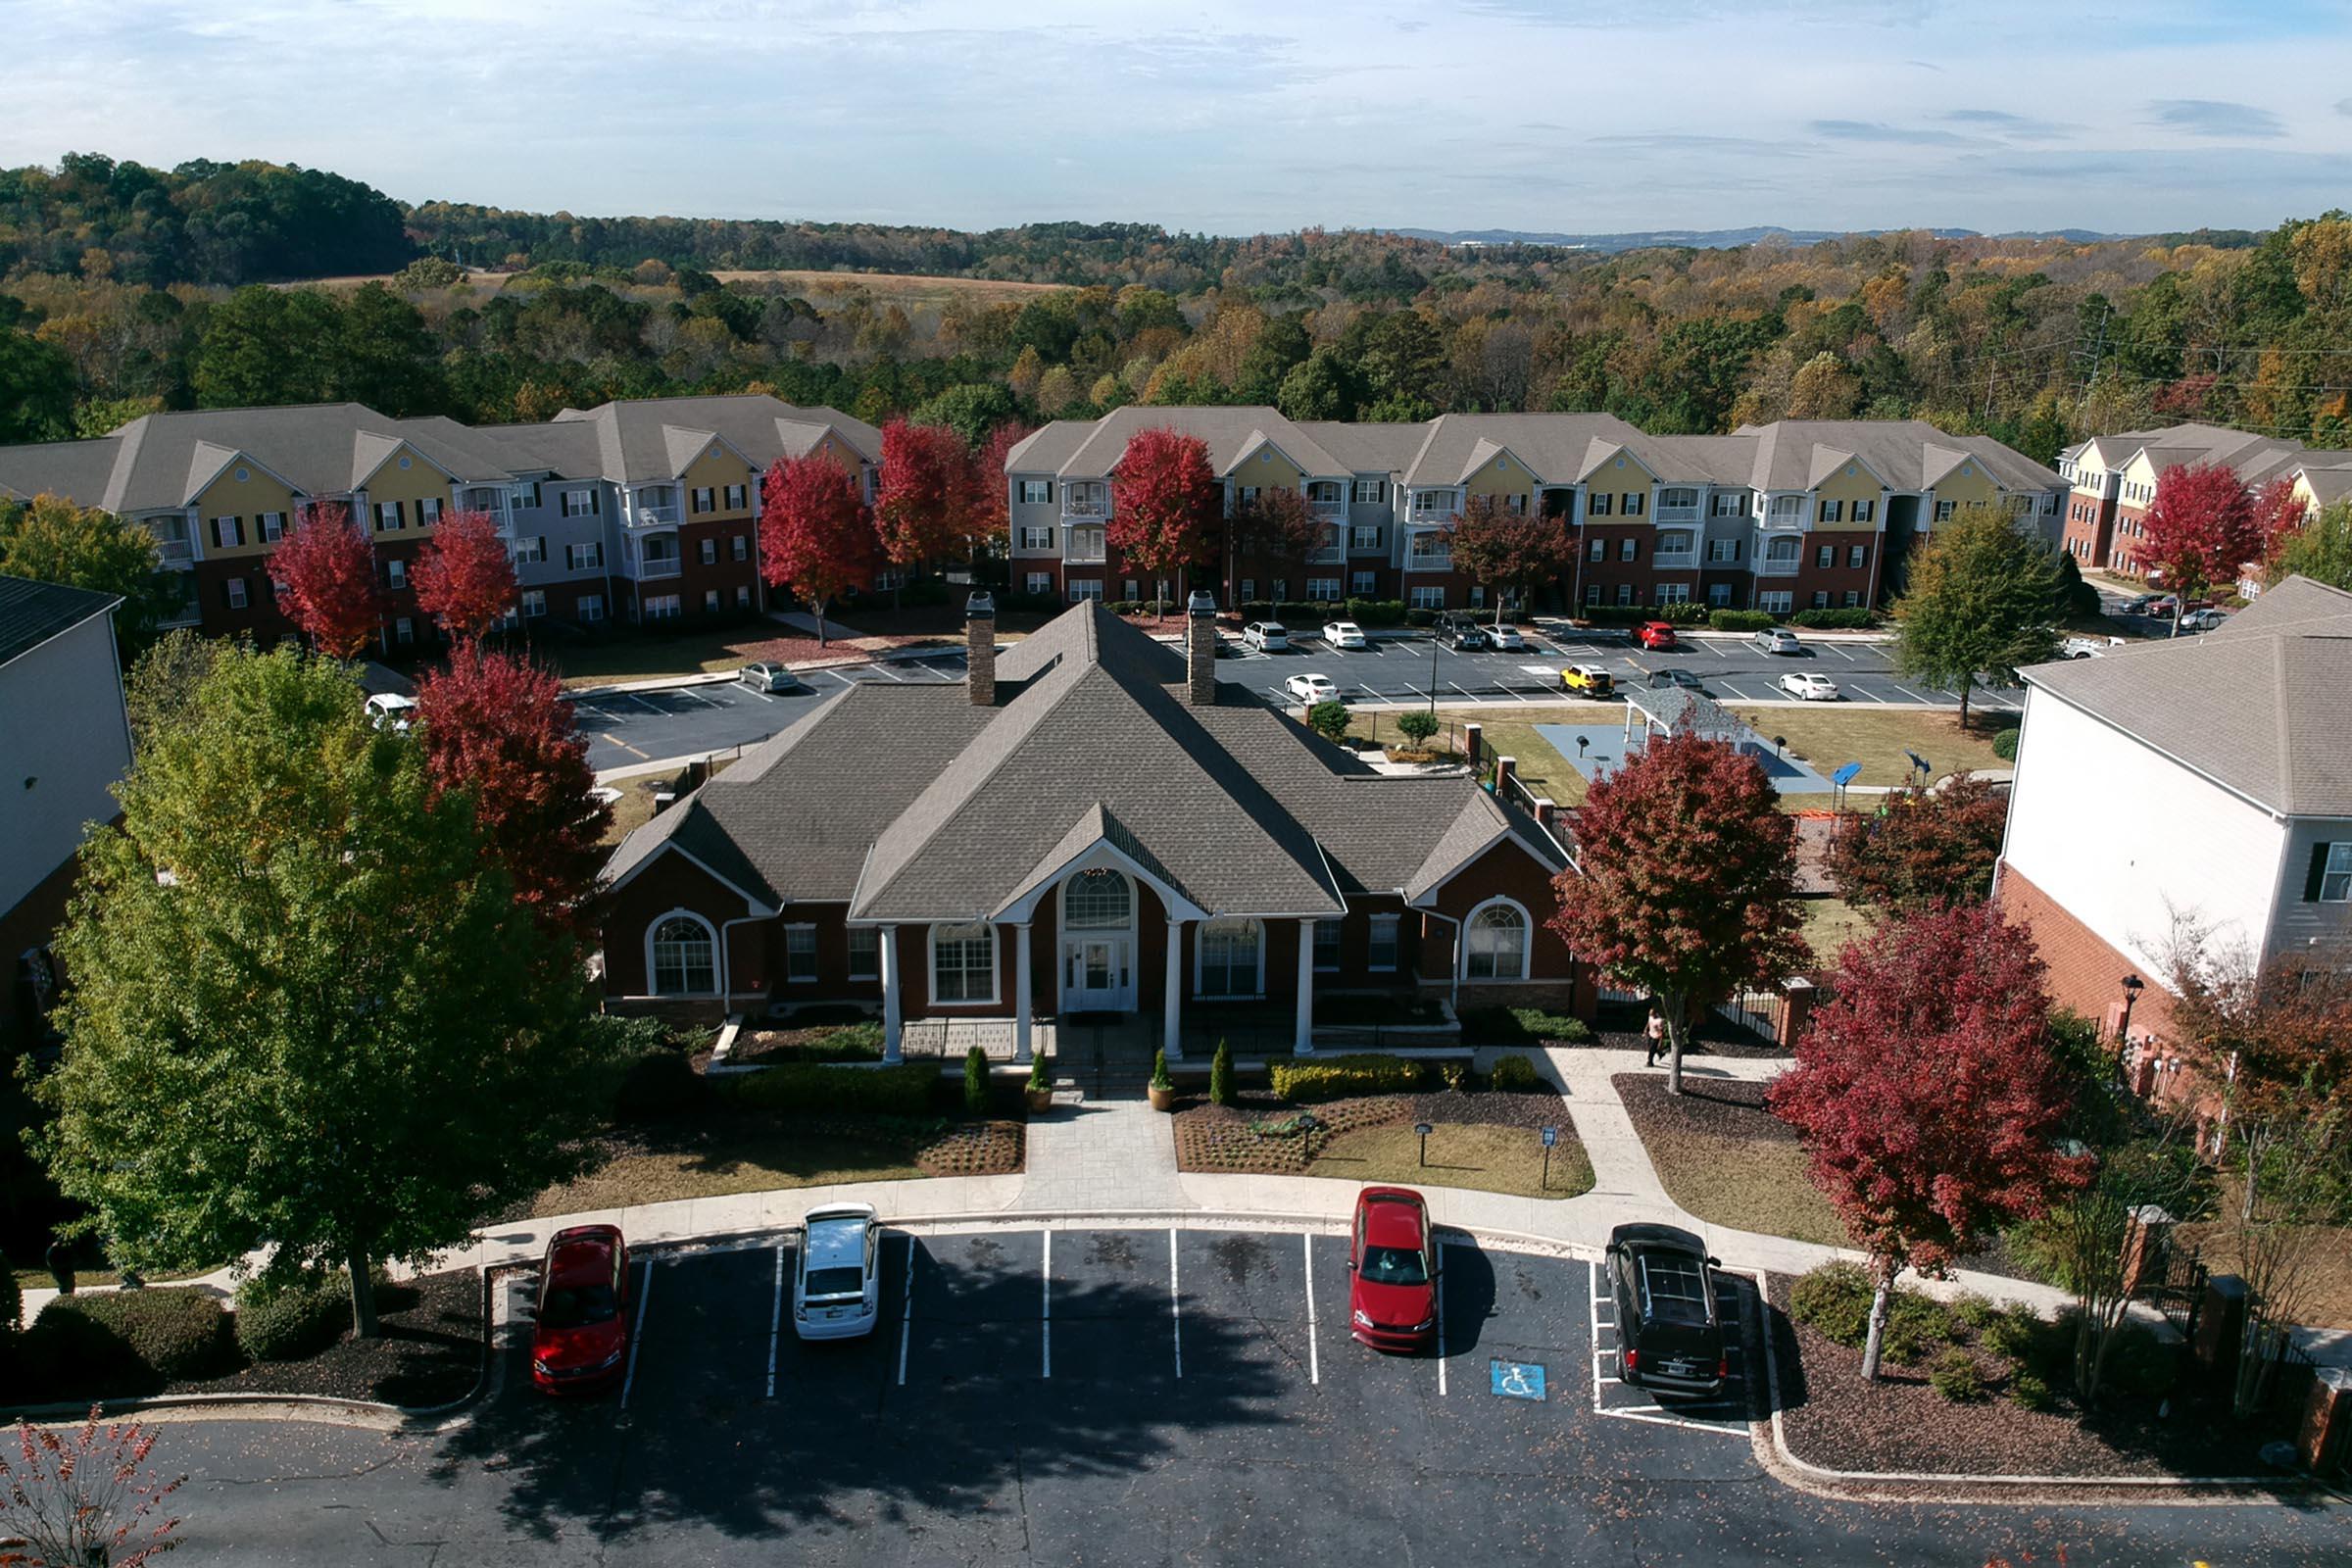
124 289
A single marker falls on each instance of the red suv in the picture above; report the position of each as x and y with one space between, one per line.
1655 634
1392 1296
580 1333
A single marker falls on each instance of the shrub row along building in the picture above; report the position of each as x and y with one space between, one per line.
2111 481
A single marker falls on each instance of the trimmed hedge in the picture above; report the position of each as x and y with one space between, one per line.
1740 621
127 1342
1533 1026
1311 613
1515 1075
812 1089
1687 612
2004 746
1854 619
1345 1077
287 1320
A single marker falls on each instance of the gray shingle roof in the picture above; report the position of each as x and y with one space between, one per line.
32 613
652 438
2257 706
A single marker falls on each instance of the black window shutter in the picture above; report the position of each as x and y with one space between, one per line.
542 547
596 501
2317 874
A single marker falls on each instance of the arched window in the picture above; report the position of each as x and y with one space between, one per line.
1494 941
1098 899
964 964
1231 962
682 956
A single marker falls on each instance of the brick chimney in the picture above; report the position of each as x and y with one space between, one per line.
980 648
1201 649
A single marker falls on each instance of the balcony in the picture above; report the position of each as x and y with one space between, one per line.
1778 569
173 553
1085 547
663 567
1327 509
1665 514
1429 561
1078 503
652 515
1674 558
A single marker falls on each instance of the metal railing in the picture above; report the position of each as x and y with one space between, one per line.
646 516
1689 514
1778 569
649 570
1675 557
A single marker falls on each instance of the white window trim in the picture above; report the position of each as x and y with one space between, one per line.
810 978
1199 952
1527 947
996 985
718 958
875 971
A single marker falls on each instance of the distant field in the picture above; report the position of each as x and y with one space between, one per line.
897 288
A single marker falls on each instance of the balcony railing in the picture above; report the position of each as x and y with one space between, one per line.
1327 509
648 513
1429 561
1326 556
1689 514
667 566
1675 557
1777 569
1085 505
173 551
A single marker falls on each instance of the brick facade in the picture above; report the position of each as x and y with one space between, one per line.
2086 971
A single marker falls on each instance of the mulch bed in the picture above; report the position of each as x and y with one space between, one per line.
1725 1107
1833 1418
1620 1028
781 1044
1253 1133
976 1149
430 1352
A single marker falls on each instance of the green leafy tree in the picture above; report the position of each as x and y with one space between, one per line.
161 689
1981 603
385 358
2320 550
36 390
265 346
971 410
1417 725
1318 387
309 1010
1329 720
52 540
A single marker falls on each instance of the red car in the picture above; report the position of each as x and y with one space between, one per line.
1392 1295
580 1333
1655 634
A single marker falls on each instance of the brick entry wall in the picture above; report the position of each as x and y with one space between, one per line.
2086 972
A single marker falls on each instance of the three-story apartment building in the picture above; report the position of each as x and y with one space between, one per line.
1797 514
643 512
2111 481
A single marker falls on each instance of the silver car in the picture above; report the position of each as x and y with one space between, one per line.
837 1285
1779 640
768 679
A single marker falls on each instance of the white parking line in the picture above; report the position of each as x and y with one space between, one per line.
641 701
887 670
1594 1296
763 696
1046 1307
1466 691
776 1324
697 697
838 675
1736 691
1908 692
1175 1307
1715 648
1840 652
1857 691
906 1318
645 1294
1441 1320
1314 1367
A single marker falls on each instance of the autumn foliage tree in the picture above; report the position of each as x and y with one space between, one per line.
1269 531
1919 847
1685 881
920 512
1510 552
815 539
326 576
85 1496
464 579
499 728
1929 1096
1165 516
988 500
2200 529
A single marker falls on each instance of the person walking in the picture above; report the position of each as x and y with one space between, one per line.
1655 1029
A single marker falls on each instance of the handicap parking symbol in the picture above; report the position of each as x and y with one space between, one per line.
1516 1380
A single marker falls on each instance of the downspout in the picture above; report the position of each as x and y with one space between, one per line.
726 954
1454 997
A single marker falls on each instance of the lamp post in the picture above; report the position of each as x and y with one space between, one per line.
2133 985
1423 1128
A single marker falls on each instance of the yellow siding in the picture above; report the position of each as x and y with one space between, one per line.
1622 476
1846 488
1266 470
418 481
1968 490
228 497
1503 477
715 471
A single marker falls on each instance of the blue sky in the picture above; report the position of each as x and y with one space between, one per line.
1235 115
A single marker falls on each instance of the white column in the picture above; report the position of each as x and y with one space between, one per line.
1172 1002
891 1023
1020 992
1302 1039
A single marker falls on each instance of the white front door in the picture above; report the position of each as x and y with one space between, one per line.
1095 975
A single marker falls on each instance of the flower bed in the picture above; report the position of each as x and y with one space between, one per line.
1486 1140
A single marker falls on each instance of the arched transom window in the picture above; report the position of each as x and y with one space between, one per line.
685 956
1495 943
1093 901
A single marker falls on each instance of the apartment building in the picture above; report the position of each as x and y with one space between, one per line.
2111 481
1783 516
643 512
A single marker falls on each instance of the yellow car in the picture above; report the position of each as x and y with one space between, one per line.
1588 680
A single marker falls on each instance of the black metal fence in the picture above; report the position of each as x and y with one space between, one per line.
2176 1287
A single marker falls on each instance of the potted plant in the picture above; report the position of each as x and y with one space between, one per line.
1163 1087
1039 1088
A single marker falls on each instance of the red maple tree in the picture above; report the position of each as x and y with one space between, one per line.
987 504
1269 532
815 536
2199 531
1506 550
1684 884
2277 512
1919 847
326 576
1166 504
464 577
498 727
1928 1093
920 513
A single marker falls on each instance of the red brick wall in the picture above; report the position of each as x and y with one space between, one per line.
2087 520
2085 973
1506 871
673 882
261 614
725 573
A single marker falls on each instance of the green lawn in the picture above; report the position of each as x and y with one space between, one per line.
732 1158
1828 735
1831 922
1485 1159
1507 732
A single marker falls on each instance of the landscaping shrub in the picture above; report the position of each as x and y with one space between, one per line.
657 1086
1039 1078
1456 1075
1916 1325
2139 1365
1854 620
2031 1392
127 1341
1417 725
1833 1301
1739 620
1159 1072
2012 1333
813 1089
1220 1075
854 1041
1504 1026
286 1320
1956 1378
1515 1075
1974 1312
1328 719
1345 1077
2004 746
976 1082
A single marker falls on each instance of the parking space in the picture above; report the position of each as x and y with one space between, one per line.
1726 1413
626 729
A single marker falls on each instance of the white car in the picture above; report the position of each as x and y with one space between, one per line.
768 679
2203 619
2089 646
1311 688
1779 640
1810 688
1507 638
837 1284
390 711
1344 634
1266 636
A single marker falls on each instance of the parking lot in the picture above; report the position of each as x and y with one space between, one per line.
628 728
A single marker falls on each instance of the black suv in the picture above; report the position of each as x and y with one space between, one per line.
1461 633
1669 1338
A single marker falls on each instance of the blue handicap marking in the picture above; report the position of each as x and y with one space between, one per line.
1516 1380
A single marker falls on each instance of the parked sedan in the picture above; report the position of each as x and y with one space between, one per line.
1779 640
1507 638
1810 688
1311 688
1670 1339
1344 634
390 711
837 1284
580 1330
2202 619
768 679
1266 636
1392 1268
1655 634
1676 676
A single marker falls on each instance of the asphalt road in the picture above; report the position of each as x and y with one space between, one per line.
1117 1397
